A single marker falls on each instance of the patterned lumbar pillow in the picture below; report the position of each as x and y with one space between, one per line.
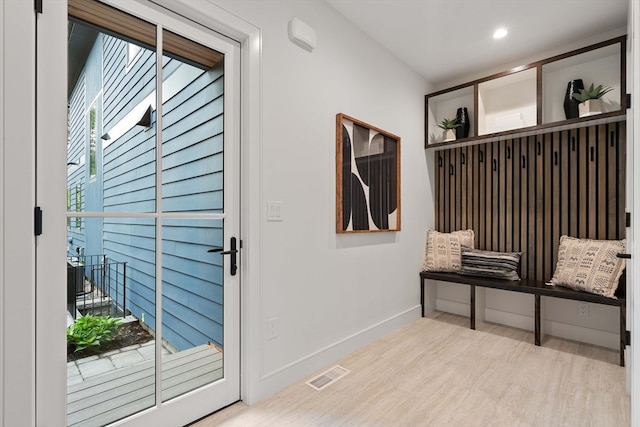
589 265
442 251
499 265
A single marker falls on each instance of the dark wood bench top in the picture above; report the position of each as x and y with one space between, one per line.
525 286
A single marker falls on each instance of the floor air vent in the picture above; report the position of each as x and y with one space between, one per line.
323 380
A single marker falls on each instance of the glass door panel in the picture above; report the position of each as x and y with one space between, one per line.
192 305
111 143
193 189
192 134
111 255
111 320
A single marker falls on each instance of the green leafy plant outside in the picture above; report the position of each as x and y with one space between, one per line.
91 331
591 92
449 124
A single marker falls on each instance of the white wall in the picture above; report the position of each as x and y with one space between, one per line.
330 293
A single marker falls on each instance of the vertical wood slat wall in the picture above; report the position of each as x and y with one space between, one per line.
522 194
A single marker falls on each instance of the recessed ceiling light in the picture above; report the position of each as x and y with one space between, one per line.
499 33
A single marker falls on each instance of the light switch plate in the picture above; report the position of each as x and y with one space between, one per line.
274 211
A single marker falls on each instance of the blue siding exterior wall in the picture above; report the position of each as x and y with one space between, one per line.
75 163
192 179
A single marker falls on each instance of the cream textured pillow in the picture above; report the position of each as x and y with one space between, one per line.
589 265
442 251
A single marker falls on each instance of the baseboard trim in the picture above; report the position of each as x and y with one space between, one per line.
510 319
454 307
549 327
306 366
581 334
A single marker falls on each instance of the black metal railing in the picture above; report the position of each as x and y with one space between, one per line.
96 285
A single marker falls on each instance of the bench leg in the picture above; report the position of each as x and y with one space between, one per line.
472 306
623 332
422 294
537 320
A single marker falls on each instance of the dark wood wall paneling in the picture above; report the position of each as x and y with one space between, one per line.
522 194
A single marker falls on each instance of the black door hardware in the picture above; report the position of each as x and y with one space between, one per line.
233 251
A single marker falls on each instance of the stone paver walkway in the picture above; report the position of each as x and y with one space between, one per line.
82 369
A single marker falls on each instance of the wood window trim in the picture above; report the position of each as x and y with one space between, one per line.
124 25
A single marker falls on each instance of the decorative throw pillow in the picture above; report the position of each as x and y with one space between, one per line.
589 265
499 265
442 251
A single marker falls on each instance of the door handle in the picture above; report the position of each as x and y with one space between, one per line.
233 251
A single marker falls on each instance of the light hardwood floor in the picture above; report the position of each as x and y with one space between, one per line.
438 372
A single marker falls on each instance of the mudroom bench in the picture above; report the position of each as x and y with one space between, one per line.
537 288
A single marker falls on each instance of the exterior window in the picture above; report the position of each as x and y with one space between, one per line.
92 142
68 206
132 53
78 205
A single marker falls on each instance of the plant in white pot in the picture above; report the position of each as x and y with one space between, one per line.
448 126
590 99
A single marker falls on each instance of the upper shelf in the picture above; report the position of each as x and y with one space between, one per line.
530 98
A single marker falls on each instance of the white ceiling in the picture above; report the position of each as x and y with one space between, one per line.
448 40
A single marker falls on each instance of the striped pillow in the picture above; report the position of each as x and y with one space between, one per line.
499 265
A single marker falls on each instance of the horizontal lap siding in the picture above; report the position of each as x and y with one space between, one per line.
125 88
133 241
524 193
76 118
193 157
192 181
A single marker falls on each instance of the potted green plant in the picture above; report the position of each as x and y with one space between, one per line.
590 99
448 126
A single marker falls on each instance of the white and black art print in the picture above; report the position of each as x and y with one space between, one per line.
367 177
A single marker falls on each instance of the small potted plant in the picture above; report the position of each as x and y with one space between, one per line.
448 126
590 99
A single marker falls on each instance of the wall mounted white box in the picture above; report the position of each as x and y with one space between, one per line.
302 34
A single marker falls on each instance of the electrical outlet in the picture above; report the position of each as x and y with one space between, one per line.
272 328
583 309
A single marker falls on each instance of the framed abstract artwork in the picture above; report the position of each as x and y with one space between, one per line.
367 177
